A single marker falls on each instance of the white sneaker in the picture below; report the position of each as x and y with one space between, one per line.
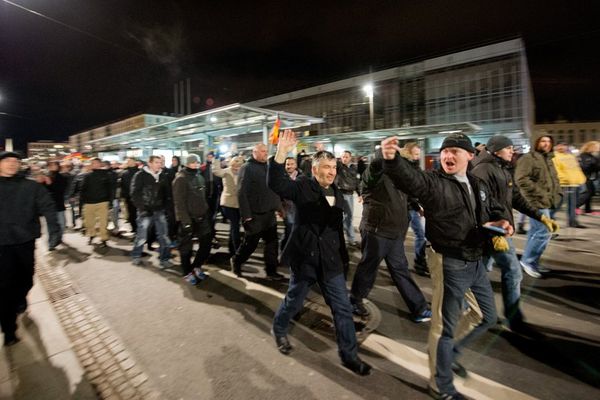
543 269
530 270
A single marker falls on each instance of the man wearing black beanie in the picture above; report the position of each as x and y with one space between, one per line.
457 206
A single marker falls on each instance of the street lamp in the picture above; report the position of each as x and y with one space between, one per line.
368 89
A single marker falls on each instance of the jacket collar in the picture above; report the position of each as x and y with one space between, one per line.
317 188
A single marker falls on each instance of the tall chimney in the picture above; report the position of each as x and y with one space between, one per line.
188 82
181 99
176 98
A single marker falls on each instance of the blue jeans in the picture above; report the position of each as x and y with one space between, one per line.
418 229
336 296
511 276
116 209
60 216
374 250
348 207
538 237
458 277
144 221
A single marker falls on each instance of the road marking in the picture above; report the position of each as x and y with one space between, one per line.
475 386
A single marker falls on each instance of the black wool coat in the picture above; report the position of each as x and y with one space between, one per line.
316 247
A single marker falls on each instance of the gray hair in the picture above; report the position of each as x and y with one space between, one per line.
322 155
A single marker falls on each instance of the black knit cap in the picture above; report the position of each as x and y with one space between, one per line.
497 143
7 154
458 140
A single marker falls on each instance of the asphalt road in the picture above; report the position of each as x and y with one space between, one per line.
212 341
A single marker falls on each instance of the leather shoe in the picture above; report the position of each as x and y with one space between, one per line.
358 366
283 344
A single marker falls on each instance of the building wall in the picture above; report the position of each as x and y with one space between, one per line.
574 133
78 141
46 149
488 86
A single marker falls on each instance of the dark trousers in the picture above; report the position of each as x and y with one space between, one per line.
201 230
16 279
374 250
586 198
233 215
172 222
131 214
250 242
335 295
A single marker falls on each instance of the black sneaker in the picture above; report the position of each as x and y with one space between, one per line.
283 344
10 340
445 396
421 269
275 276
90 240
358 366
459 370
358 308
103 245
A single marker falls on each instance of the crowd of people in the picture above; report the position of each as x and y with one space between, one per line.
464 209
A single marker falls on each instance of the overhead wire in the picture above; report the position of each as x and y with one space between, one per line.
73 28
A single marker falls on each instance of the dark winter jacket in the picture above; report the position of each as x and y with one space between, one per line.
453 227
495 172
385 209
590 165
126 178
346 179
316 247
149 194
57 188
253 194
189 196
537 179
22 202
97 187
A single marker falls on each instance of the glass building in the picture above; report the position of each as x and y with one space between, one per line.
487 86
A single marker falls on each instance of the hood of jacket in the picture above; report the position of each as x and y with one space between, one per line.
536 137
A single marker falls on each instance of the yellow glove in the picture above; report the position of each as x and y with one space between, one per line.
551 224
500 244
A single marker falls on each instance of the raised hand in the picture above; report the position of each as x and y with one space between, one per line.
287 141
389 147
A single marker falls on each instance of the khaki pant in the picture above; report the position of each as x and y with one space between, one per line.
91 212
468 321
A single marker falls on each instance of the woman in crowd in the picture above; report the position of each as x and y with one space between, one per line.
589 159
229 199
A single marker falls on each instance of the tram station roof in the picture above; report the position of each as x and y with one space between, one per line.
228 121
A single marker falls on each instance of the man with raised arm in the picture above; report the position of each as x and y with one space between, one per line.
457 207
316 251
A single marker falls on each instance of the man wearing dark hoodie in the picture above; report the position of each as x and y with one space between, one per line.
492 166
126 177
538 182
150 192
192 212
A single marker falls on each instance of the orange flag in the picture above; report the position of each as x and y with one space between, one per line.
274 135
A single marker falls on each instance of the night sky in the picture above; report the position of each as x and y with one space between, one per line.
102 60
